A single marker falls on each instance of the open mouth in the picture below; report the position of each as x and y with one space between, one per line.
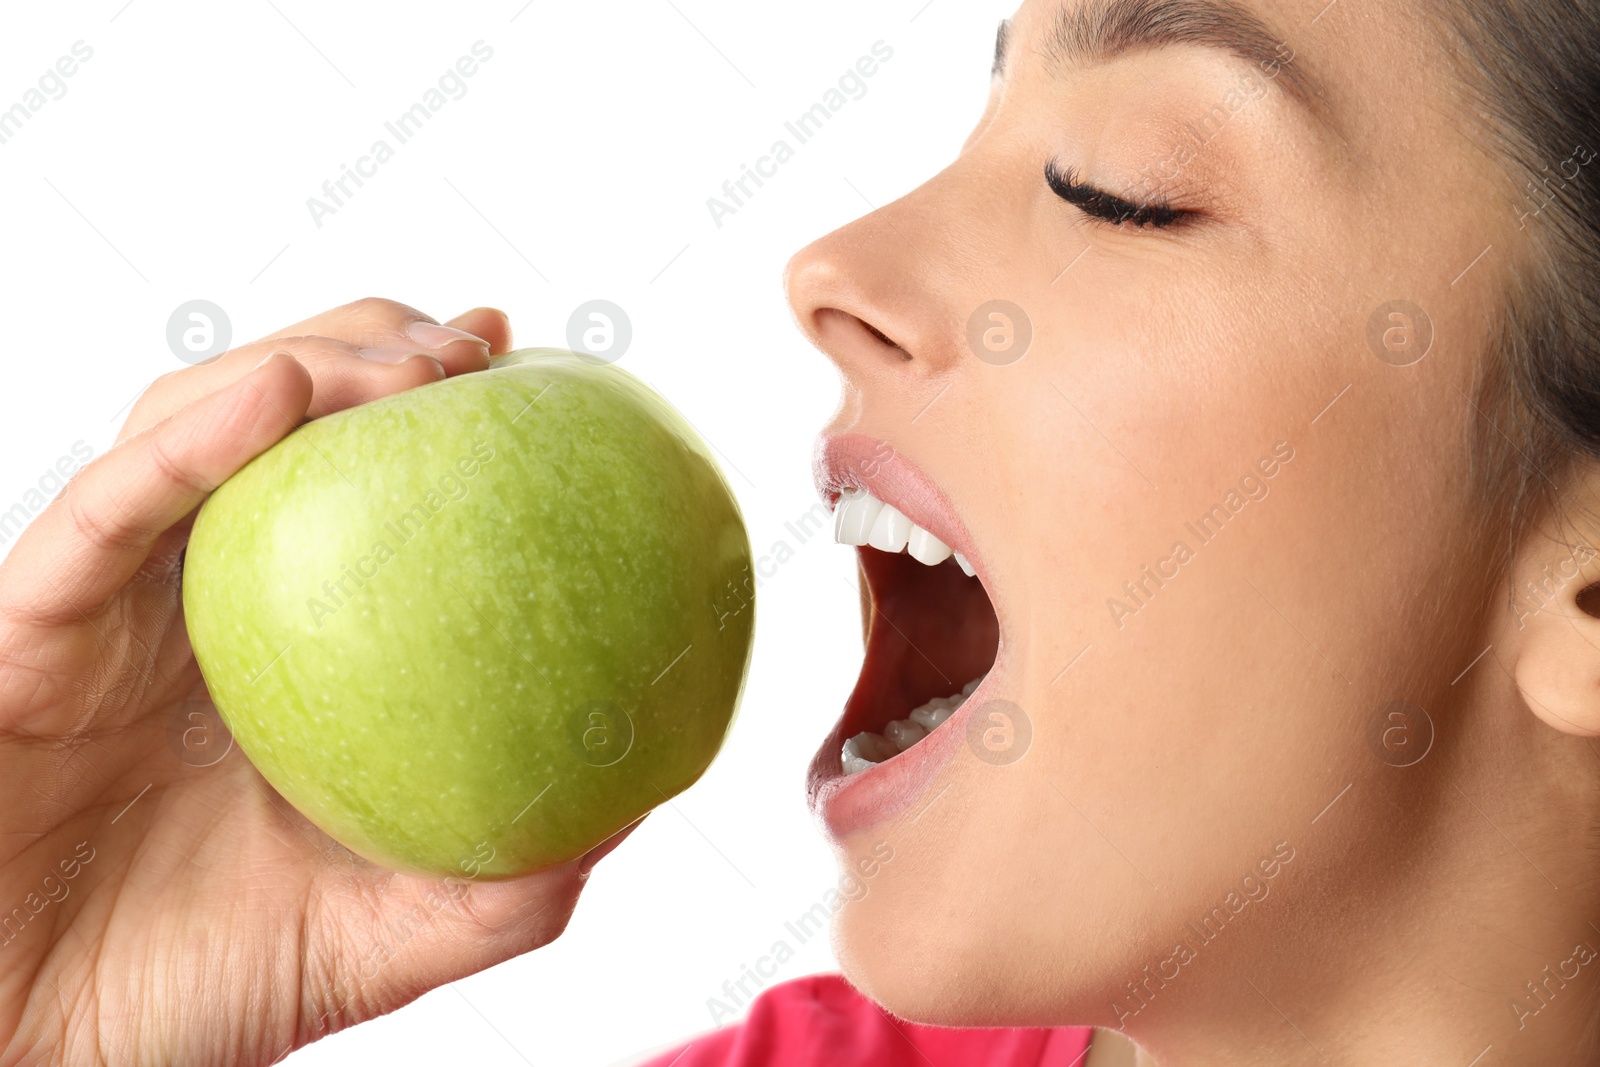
931 632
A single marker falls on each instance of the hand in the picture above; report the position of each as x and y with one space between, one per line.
157 912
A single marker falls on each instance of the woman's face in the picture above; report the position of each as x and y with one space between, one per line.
1219 501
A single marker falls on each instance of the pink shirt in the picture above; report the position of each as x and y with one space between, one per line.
821 1019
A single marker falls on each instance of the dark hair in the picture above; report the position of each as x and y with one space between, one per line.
1531 70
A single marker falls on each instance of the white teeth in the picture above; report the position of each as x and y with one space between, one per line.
926 548
852 763
904 733
868 749
931 714
854 516
891 531
859 518
874 748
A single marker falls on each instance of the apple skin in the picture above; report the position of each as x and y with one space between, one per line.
478 627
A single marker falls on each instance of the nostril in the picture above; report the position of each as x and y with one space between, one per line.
849 338
880 335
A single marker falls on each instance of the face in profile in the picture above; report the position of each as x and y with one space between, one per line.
1184 357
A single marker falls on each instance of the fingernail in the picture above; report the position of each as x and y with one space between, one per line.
433 335
603 849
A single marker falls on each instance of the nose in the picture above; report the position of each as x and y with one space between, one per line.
875 295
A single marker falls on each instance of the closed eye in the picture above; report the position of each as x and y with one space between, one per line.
1099 204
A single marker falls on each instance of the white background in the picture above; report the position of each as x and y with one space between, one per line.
178 165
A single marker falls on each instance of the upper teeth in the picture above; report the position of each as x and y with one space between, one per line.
863 519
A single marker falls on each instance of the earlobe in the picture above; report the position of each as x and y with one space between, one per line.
1557 666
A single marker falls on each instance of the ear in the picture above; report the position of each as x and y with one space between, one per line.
1555 604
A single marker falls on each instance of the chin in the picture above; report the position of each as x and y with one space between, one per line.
923 960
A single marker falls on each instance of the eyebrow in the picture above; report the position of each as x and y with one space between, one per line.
1097 31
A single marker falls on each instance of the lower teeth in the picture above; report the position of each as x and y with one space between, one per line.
868 749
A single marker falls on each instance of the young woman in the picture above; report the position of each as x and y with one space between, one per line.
1247 355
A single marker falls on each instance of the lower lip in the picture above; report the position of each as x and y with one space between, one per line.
848 804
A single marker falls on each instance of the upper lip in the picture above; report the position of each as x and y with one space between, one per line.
857 461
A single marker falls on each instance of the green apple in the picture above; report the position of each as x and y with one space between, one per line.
480 626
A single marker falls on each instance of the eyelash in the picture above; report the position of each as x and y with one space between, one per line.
1099 204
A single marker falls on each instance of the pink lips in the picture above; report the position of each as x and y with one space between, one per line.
848 804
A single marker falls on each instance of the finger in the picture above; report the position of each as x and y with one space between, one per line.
491 324
341 377
96 534
456 927
382 332
373 949
380 325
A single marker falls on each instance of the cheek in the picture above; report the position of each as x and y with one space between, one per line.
1217 696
